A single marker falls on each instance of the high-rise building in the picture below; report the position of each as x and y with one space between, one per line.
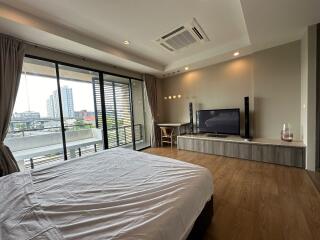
50 107
67 103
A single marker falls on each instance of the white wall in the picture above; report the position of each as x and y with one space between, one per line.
308 94
304 85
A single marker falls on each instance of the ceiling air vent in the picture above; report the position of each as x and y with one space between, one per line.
183 37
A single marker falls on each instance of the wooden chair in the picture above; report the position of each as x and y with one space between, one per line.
167 135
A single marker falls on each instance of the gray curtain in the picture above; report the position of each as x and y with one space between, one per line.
11 59
151 87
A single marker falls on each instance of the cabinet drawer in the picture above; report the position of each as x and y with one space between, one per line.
218 148
231 149
263 153
245 151
290 156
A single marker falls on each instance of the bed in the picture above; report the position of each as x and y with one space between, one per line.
114 194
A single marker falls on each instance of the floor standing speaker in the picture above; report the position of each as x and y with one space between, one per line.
191 117
247 135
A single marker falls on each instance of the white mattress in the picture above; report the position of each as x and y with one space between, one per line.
114 194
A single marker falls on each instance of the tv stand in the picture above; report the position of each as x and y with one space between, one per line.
258 149
217 135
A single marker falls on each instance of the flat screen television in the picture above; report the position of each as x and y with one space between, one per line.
219 121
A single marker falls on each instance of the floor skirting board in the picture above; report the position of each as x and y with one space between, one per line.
315 177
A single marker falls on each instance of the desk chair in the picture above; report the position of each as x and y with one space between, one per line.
167 135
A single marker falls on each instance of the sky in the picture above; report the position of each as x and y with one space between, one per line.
35 90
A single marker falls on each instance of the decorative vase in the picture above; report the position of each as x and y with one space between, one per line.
286 133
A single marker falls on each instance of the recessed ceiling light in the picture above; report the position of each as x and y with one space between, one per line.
186 68
126 42
236 54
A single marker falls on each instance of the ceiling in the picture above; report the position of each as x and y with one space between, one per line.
96 29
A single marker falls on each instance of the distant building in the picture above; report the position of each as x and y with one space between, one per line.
89 119
27 115
83 114
52 112
67 103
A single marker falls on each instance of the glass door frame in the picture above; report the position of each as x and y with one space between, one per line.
101 82
63 130
133 132
104 111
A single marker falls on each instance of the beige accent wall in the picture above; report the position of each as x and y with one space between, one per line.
277 89
271 78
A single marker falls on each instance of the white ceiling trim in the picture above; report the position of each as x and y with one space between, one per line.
19 17
97 29
210 53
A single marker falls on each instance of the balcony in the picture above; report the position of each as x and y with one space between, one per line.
36 147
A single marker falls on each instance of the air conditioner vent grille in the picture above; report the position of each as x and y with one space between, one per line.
182 37
181 40
166 47
172 32
197 32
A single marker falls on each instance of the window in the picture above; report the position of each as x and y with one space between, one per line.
34 135
63 112
118 110
79 116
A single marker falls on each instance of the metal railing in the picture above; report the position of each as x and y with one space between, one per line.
79 127
47 129
124 134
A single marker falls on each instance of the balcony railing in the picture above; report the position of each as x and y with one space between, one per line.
44 145
24 132
37 131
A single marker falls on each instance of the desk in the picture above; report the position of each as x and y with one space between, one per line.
178 126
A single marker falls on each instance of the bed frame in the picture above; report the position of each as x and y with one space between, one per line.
202 222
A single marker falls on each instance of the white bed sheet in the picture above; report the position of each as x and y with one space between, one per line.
114 194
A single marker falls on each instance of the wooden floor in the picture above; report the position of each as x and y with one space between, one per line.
254 200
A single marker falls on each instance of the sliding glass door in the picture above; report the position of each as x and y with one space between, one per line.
63 112
116 101
82 135
123 101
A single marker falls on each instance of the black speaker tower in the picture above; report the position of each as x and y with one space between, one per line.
247 136
191 117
